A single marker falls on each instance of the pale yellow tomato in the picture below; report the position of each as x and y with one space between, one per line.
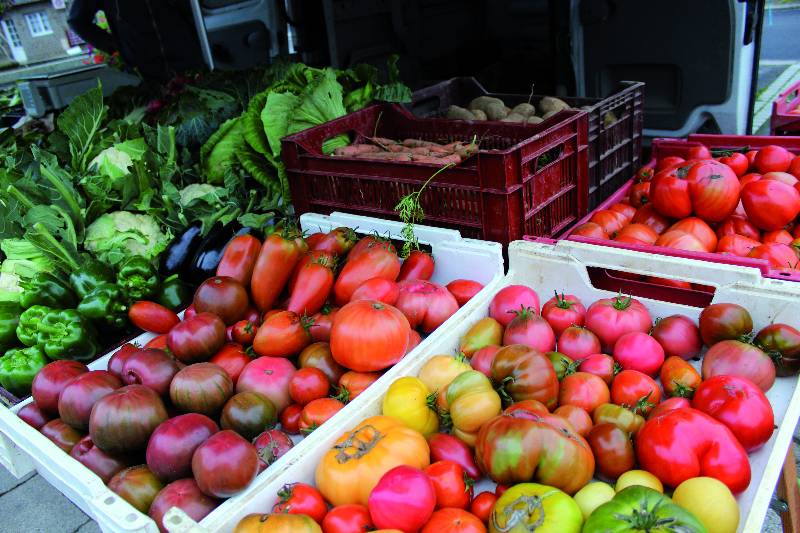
440 370
408 400
593 496
711 502
639 477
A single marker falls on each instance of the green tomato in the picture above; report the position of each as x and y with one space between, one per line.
593 496
640 509
530 507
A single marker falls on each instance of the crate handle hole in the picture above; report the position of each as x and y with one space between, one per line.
327 150
546 158
792 95
130 517
109 501
636 285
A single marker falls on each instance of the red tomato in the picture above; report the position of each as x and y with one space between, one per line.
610 221
159 341
668 282
152 317
313 256
610 318
681 240
577 342
679 378
751 157
670 404
463 290
612 449
499 490
736 245
644 174
699 229
232 358
590 230
773 159
320 329
778 255
794 167
639 351
418 265
347 519
735 225
239 258
578 418
640 232
272 270
446 447
403 499
679 336
737 161
600 365
367 243
626 210
739 404
451 520
482 505
666 162
783 177
299 498
314 284
189 312
290 418
380 289
338 242
780 236
352 384
698 152
583 390
244 332
511 299
283 334
426 305
770 204
414 338
563 311
530 329
637 391
640 194
308 384
706 188
317 412
314 239
368 336
374 262
648 216
747 178
452 485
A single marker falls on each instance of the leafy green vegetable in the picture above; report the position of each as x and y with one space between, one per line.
116 161
116 236
23 261
81 122
220 150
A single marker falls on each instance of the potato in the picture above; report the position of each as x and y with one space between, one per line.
459 113
479 114
609 118
483 102
551 113
551 103
514 117
533 119
524 109
496 111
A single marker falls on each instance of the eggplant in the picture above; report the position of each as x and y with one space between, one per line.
209 253
181 250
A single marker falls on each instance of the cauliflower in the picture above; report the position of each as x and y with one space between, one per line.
116 236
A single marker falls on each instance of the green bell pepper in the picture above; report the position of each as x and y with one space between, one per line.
138 277
63 334
18 367
107 303
642 509
91 274
28 327
174 293
9 319
47 289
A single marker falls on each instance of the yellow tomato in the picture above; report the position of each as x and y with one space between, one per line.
472 401
410 401
440 370
639 477
530 507
277 523
593 496
711 502
484 332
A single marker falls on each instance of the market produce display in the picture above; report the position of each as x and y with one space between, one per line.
416 150
206 410
540 425
740 203
491 108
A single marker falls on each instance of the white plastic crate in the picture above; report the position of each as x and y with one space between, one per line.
563 266
23 449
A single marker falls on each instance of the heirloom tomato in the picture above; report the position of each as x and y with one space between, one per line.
404 499
453 520
638 509
347 519
635 390
590 230
509 300
679 378
368 335
485 332
471 401
612 449
578 342
623 418
534 507
302 499
719 322
782 343
770 204
583 390
440 370
530 329
578 418
737 358
408 400
562 311
707 188
452 485
639 351
611 318
525 374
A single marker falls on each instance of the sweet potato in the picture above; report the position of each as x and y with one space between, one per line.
452 158
386 156
413 143
356 149
455 112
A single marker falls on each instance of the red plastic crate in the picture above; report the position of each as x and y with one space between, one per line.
615 125
678 147
783 121
524 179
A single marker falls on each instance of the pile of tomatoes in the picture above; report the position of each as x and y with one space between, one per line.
287 333
742 204
541 400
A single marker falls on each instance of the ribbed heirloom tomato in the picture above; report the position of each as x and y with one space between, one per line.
610 318
562 311
707 188
369 335
770 204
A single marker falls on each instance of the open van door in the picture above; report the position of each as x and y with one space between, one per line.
699 60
